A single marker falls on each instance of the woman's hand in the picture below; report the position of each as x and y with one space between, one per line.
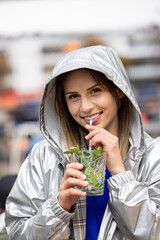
68 195
110 143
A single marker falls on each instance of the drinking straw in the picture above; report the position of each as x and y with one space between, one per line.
90 123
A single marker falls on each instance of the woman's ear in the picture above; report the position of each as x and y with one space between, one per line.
119 93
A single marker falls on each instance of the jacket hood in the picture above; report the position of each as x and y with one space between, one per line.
102 59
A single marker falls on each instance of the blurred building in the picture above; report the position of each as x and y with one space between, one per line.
28 52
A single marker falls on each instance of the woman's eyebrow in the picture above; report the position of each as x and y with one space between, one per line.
74 92
93 86
70 93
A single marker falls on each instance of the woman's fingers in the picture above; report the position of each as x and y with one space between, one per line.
73 170
110 143
73 176
77 166
95 130
71 182
101 137
73 192
68 194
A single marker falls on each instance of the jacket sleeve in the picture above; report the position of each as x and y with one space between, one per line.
29 214
135 206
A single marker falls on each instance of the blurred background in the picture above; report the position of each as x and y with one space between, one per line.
35 34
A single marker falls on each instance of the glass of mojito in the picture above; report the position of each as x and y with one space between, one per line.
94 169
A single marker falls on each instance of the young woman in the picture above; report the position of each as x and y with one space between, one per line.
89 83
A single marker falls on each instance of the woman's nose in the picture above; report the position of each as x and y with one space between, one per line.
86 105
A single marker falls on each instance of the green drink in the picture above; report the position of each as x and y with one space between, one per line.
94 169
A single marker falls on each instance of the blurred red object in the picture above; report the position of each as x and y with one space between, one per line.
9 99
144 118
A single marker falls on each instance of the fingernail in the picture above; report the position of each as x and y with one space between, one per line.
79 165
85 183
83 176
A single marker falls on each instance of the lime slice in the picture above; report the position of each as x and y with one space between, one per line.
89 171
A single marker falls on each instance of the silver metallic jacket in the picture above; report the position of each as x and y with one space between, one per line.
133 210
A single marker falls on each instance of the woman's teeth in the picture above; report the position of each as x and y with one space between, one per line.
92 117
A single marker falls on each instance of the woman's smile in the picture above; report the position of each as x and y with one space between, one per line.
95 118
87 99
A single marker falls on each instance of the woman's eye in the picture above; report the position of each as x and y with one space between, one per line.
95 90
73 96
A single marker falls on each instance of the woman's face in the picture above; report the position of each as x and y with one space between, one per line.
88 100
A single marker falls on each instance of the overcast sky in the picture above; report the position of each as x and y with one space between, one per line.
76 16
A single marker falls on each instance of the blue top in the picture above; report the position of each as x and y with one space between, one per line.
96 206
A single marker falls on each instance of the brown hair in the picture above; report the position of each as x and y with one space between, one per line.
74 133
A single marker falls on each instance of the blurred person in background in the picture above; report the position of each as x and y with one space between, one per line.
6 184
32 141
89 83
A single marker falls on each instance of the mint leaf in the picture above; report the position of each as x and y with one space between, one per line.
75 149
68 152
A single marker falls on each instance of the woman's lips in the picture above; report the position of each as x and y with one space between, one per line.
94 120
